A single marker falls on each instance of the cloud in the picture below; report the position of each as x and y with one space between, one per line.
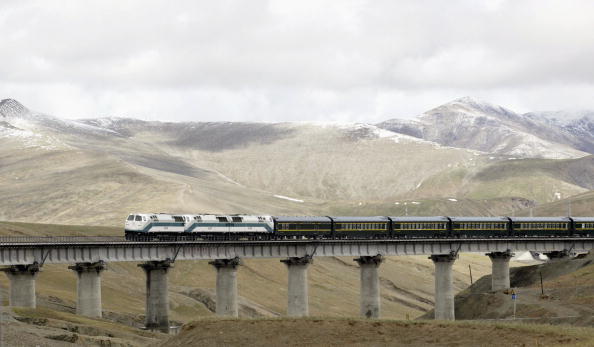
286 60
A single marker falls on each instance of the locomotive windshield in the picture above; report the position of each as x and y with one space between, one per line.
131 217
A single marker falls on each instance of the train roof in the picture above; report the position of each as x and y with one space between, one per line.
583 219
360 219
479 219
420 219
540 219
301 219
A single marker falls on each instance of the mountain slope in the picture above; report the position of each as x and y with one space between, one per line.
473 124
99 170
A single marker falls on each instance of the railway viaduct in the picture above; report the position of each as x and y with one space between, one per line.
22 258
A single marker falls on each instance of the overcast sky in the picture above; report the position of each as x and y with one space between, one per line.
295 60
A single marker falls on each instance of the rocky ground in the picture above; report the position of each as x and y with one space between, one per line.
45 327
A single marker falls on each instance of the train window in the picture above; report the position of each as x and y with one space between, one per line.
222 219
138 218
131 217
239 219
198 218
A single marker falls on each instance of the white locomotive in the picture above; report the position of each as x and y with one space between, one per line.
199 226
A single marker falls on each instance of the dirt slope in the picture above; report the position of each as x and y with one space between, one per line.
568 286
356 332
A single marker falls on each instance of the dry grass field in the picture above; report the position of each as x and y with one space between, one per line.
357 332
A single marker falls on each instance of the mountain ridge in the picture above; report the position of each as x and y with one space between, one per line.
97 170
473 124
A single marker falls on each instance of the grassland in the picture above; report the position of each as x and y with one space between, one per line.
357 332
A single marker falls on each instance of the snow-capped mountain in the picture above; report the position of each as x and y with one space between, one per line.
474 124
122 164
578 123
14 113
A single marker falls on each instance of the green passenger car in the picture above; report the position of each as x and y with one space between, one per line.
480 226
418 227
361 227
541 226
583 226
297 227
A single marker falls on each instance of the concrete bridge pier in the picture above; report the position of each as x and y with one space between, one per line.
298 301
370 290
500 269
444 287
22 284
157 300
88 288
226 286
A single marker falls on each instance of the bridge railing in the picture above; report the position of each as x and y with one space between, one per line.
60 239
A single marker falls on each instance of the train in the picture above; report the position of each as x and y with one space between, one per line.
165 226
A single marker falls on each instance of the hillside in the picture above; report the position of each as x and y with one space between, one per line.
96 171
580 205
356 332
567 299
479 125
24 327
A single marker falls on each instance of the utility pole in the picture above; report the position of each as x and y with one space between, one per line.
470 270
514 297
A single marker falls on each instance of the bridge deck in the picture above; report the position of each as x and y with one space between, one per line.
69 249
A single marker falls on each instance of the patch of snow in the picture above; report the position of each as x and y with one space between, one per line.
452 199
372 129
30 139
287 198
229 179
528 257
415 203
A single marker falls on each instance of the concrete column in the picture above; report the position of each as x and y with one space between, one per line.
557 255
500 270
88 288
226 286
370 290
298 302
444 287
157 300
22 284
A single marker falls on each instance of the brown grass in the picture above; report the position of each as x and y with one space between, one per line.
358 332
